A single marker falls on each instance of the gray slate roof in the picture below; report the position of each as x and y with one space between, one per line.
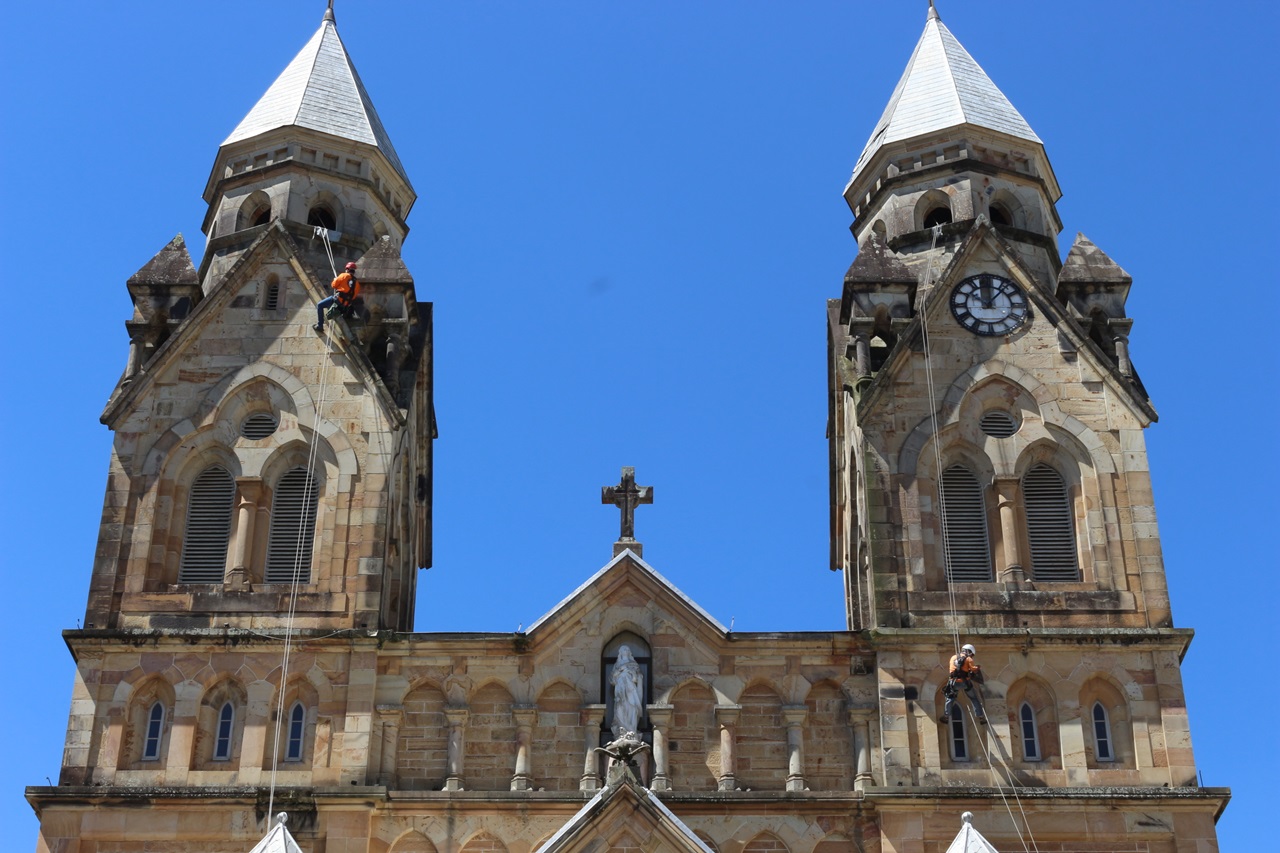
320 90
942 87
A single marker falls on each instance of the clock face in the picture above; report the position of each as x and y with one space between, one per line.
989 305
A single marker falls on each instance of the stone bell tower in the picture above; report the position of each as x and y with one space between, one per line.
259 468
989 479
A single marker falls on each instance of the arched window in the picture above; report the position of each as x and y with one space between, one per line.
323 216
204 545
255 210
1102 734
1050 526
226 725
154 734
957 737
937 216
964 527
1000 215
297 726
1030 735
293 522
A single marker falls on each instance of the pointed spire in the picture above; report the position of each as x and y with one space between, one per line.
942 87
1087 263
328 13
320 90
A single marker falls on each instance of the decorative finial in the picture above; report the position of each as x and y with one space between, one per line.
933 12
626 496
328 13
282 818
967 817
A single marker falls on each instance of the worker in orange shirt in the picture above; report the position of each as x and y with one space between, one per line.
345 290
964 673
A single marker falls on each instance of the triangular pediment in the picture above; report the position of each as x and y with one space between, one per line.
1049 324
624 815
230 328
626 584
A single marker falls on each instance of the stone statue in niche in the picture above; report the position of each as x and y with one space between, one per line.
628 693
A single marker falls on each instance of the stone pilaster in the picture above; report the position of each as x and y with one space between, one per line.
860 722
1008 493
592 718
391 716
457 718
795 716
727 720
660 719
525 716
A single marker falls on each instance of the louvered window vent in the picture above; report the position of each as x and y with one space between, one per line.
258 426
272 299
204 545
998 424
1050 526
293 522
968 549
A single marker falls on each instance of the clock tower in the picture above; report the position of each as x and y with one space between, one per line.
989 480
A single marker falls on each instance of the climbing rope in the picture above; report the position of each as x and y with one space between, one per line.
296 579
934 404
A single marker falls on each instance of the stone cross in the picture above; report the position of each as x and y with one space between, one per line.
626 496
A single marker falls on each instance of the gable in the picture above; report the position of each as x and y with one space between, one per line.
241 322
1059 362
624 815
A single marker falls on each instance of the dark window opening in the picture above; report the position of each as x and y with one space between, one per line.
322 216
261 216
937 216
1000 216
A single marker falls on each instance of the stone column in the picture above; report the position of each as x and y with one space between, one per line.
1008 491
247 492
727 720
860 329
660 719
794 716
1120 327
592 718
457 718
860 722
525 716
392 716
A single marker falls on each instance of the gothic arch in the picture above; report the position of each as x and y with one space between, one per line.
140 699
483 841
412 841
422 749
828 739
490 743
254 210
1035 691
226 692
929 205
766 842
559 719
693 740
1102 689
761 738
299 690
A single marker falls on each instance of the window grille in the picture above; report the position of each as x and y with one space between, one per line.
1102 734
1030 736
271 301
297 725
1050 526
259 426
204 545
155 729
226 723
293 522
968 549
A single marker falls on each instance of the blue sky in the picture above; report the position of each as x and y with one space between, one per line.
629 220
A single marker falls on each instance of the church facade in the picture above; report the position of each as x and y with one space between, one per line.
249 647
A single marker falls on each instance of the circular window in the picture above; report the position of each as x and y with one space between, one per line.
258 426
998 424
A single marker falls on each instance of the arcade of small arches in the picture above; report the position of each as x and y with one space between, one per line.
783 841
